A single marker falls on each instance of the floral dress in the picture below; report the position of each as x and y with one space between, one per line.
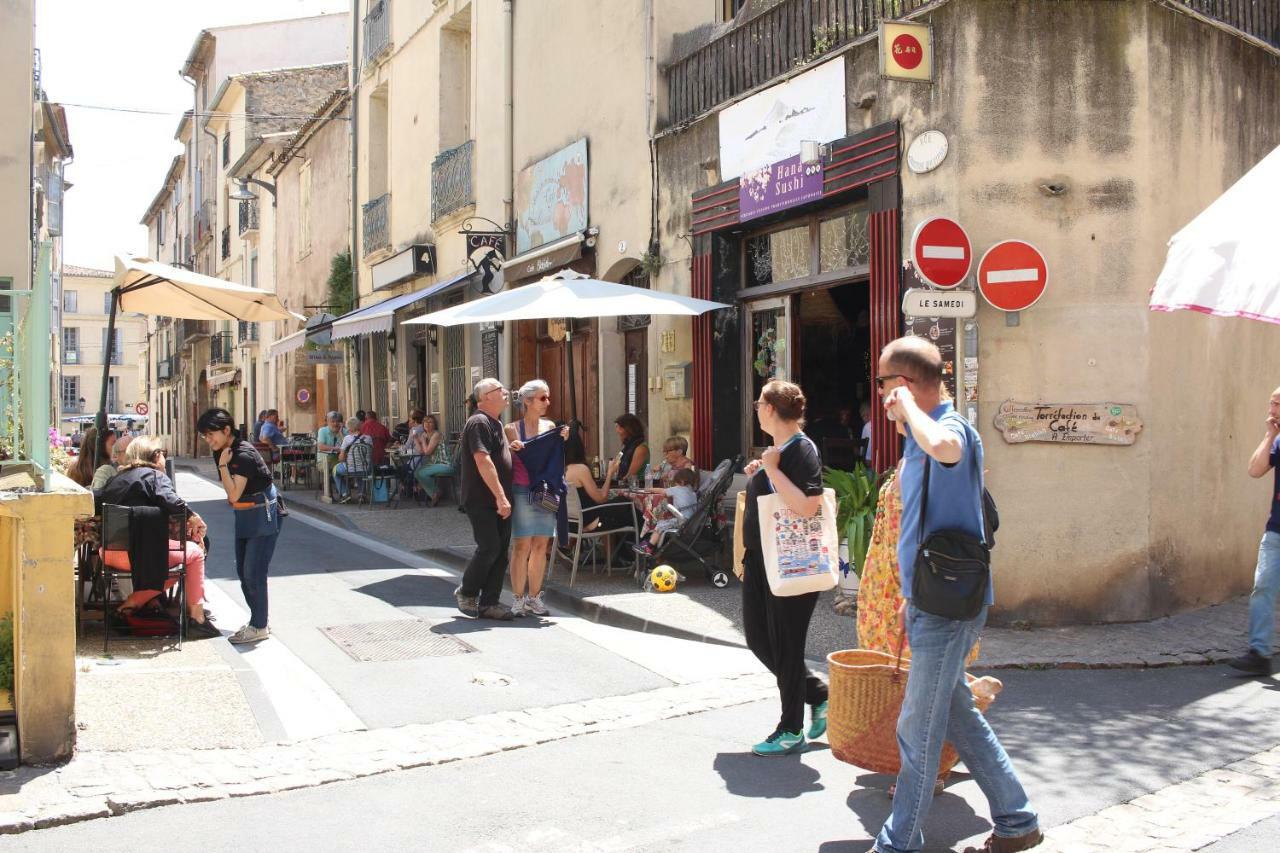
880 588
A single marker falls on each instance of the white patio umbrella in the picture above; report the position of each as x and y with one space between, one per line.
144 286
1226 261
567 294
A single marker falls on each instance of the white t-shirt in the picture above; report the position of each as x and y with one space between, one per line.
682 498
866 436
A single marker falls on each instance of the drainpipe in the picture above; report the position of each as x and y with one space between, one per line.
194 193
353 389
508 106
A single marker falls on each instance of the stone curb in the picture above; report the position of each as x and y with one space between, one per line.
602 613
103 784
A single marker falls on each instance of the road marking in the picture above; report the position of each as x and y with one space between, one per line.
949 253
1012 276
305 704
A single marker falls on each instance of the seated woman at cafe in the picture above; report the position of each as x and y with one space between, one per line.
435 452
413 443
674 458
95 457
341 469
597 510
635 452
141 482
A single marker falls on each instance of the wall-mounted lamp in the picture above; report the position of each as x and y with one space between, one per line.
433 335
242 193
391 342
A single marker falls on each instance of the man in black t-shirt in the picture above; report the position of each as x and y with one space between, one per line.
1266 579
486 497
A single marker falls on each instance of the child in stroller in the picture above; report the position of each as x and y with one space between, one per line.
683 496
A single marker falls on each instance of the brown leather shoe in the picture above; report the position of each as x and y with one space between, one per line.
1000 844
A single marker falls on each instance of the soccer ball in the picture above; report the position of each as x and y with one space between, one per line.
662 579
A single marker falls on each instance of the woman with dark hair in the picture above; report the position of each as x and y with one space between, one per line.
252 495
776 626
95 454
596 510
635 453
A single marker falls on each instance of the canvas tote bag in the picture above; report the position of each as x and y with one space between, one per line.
800 555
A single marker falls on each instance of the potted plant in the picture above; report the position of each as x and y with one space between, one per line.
856 494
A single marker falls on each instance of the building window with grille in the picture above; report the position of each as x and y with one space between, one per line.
70 345
226 149
117 351
106 302
71 393
70 301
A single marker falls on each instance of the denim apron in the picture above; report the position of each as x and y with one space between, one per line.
259 515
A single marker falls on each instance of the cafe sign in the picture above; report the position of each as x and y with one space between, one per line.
1069 423
778 186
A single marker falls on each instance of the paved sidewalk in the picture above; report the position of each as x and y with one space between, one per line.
100 784
699 611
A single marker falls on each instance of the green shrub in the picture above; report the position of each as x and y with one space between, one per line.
6 653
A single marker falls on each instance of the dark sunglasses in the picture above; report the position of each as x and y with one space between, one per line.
880 380
543 399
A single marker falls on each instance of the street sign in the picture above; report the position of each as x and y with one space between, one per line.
918 302
1012 275
906 50
303 396
324 356
140 409
941 252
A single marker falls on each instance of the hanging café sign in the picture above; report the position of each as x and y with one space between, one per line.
1069 423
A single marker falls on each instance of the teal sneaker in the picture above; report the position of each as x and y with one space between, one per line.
818 721
780 743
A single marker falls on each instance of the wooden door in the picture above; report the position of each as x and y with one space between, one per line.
635 375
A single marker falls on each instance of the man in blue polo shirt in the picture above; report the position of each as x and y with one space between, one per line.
938 706
1266 578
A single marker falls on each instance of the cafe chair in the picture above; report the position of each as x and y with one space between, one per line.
579 521
359 470
119 526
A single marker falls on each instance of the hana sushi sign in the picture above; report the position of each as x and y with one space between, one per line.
1069 423
777 187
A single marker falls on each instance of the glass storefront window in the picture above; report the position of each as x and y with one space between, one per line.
777 256
843 241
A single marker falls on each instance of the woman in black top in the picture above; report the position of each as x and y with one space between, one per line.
597 510
776 626
252 496
635 453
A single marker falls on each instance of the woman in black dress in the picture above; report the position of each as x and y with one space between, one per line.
252 496
777 626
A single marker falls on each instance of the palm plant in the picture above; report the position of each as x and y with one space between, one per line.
856 494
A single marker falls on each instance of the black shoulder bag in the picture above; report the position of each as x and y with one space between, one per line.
952 569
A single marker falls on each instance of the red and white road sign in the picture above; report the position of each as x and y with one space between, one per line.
1012 275
140 409
941 252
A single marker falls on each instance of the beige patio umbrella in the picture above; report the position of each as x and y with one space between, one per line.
144 286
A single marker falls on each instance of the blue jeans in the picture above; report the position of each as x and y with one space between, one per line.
253 557
939 707
1262 601
426 476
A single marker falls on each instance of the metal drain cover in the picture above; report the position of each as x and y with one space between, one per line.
399 639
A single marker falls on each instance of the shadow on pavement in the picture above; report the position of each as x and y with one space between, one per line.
748 775
411 590
872 806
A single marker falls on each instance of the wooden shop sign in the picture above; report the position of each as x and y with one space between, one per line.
1069 423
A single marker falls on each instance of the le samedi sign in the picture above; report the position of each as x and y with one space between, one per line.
778 186
1069 423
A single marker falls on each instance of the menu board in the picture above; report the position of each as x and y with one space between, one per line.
941 331
489 352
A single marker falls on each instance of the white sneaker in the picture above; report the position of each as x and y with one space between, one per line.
534 606
520 605
249 634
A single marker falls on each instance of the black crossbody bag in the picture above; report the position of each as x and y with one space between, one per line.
952 568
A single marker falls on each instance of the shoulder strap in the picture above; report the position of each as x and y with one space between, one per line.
924 494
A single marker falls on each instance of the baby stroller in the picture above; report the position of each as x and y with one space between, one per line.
700 531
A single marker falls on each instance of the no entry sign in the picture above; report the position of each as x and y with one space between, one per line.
941 252
1012 275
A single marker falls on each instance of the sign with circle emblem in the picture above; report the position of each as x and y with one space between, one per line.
303 396
1012 275
906 51
941 252
141 409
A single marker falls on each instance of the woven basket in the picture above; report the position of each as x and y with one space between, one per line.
865 699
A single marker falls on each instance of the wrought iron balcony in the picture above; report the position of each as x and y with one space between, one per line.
451 187
248 217
221 346
377 31
757 50
247 333
71 355
72 408
226 242
189 330
377 231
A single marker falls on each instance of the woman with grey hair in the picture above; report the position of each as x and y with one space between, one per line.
531 526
